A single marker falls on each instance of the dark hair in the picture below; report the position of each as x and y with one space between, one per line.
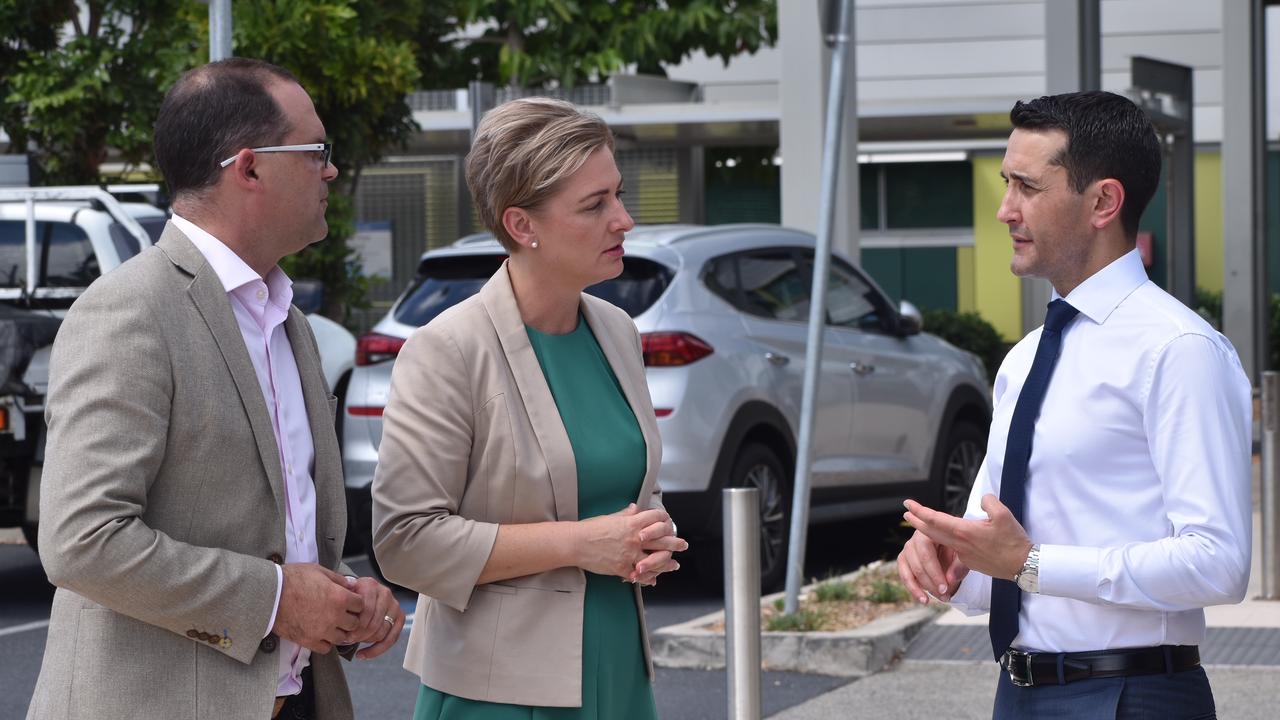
210 114
1107 137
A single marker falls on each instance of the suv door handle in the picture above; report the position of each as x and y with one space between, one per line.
860 368
776 360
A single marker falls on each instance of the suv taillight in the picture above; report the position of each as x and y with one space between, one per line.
376 348
671 349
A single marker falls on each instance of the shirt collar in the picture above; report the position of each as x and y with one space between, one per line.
1103 291
232 271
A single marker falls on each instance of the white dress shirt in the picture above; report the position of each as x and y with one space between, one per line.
1138 489
260 308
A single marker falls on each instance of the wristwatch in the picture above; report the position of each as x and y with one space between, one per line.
1028 578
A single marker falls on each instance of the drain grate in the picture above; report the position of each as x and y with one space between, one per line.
1222 646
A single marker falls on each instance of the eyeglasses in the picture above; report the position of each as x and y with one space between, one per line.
325 150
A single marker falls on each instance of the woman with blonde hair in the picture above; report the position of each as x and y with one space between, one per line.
516 478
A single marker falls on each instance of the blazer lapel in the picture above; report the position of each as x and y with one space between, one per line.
500 303
326 475
628 368
210 299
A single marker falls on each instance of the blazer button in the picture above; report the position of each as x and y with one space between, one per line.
276 558
268 644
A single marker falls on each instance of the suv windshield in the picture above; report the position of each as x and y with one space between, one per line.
443 282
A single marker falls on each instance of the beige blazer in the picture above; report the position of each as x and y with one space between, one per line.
162 504
471 439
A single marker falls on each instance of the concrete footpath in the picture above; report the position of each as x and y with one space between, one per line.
948 673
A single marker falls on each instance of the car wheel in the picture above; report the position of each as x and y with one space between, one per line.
757 466
961 457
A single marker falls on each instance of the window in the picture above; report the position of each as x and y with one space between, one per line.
65 256
639 286
126 244
766 283
443 283
852 301
69 260
446 281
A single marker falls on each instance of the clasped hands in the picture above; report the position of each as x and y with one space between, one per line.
944 548
635 545
320 609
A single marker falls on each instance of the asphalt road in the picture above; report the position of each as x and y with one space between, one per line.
382 689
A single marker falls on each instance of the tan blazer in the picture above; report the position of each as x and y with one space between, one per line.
472 438
162 502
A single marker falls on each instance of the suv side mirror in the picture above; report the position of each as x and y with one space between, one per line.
308 295
910 321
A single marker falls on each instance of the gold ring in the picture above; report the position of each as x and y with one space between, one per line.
387 619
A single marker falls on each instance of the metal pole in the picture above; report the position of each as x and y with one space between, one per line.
1270 485
32 269
818 305
742 601
219 30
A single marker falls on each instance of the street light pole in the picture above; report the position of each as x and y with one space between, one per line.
219 30
841 39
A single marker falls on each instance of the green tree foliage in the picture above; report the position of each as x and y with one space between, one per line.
26 27
79 78
534 42
969 331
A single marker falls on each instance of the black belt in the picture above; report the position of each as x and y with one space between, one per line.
1028 669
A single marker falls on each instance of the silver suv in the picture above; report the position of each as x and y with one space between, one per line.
722 313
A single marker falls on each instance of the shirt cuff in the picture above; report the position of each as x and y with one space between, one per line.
276 608
973 597
1069 571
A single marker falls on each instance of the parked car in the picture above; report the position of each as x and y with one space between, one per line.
79 234
722 313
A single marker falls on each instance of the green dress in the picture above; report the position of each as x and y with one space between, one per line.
611 457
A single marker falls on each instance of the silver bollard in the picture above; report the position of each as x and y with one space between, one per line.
1271 485
742 601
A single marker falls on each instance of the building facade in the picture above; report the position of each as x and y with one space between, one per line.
935 81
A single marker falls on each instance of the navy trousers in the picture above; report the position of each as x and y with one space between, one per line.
1176 696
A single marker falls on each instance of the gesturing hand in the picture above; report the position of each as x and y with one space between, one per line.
317 609
927 568
996 546
614 544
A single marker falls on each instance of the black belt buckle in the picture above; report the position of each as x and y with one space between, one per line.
1018 665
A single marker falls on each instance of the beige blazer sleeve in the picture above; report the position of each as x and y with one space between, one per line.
108 437
423 473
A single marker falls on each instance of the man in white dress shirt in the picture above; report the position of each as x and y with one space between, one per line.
192 504
1114 503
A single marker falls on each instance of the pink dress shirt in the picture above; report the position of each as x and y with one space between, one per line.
260 309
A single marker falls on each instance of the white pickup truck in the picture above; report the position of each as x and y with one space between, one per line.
54 241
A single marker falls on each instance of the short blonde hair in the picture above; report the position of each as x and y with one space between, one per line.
522 150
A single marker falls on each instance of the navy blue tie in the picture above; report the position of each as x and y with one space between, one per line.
1006 597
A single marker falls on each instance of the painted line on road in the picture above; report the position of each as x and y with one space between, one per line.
14 630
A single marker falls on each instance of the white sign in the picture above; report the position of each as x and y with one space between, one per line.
372 243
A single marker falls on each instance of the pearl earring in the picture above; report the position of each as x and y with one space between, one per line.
533 244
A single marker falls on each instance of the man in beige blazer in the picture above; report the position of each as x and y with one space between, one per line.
192 503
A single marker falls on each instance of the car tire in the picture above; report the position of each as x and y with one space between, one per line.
957 466
758 466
